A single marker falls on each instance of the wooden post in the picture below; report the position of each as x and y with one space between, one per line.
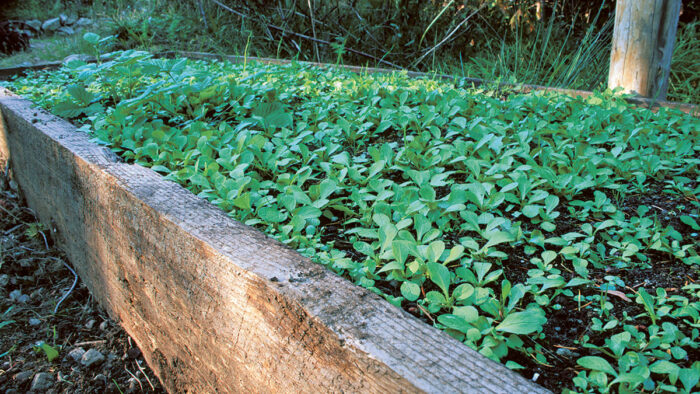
645 31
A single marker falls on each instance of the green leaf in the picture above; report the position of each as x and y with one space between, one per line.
401 249
410 291
531 210
271 215
273 115
50 352
525 322
513 365
597 364
690 222
666 368
91 38
456 252
242 201
498 237
463 291
454 322
308 212
434 250
689 377
79 93
440 275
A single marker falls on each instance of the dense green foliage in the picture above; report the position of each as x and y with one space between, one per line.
564 43
485 212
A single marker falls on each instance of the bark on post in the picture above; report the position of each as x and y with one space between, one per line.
645 31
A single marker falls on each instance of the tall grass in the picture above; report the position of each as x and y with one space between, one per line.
552 55
555 53
684 81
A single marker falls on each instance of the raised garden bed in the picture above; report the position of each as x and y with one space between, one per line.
523 225
215 305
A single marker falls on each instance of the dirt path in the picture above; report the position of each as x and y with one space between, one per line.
47 345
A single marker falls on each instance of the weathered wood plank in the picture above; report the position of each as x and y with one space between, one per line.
217 306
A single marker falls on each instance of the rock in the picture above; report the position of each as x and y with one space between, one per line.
76 354
11 391
51 25
92 357
566 353
34 321
65 30
62 18
35 24
77 56
133 353
42 381
4 280
17 296
23 377
70 20
83 22
104 325
90 324
100 378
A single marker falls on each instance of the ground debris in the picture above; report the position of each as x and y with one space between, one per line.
33 278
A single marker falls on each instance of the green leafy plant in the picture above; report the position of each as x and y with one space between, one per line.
485 215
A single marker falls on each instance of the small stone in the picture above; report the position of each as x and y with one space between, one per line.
34 321
567 353
17 296
4 280
90 324
5 366
104 325
92 357
134 352
23 377
62 18
84 22
76 354
42 381
70 20
11 391
65 30
14 294
35 24
76 57
100 378
51 24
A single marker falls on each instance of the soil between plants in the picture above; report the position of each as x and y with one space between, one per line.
566 326
33 278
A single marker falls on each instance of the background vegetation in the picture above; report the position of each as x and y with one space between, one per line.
563 43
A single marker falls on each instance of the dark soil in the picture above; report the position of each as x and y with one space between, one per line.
33 278
567 325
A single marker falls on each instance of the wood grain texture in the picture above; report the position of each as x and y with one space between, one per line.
643 39
217 306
